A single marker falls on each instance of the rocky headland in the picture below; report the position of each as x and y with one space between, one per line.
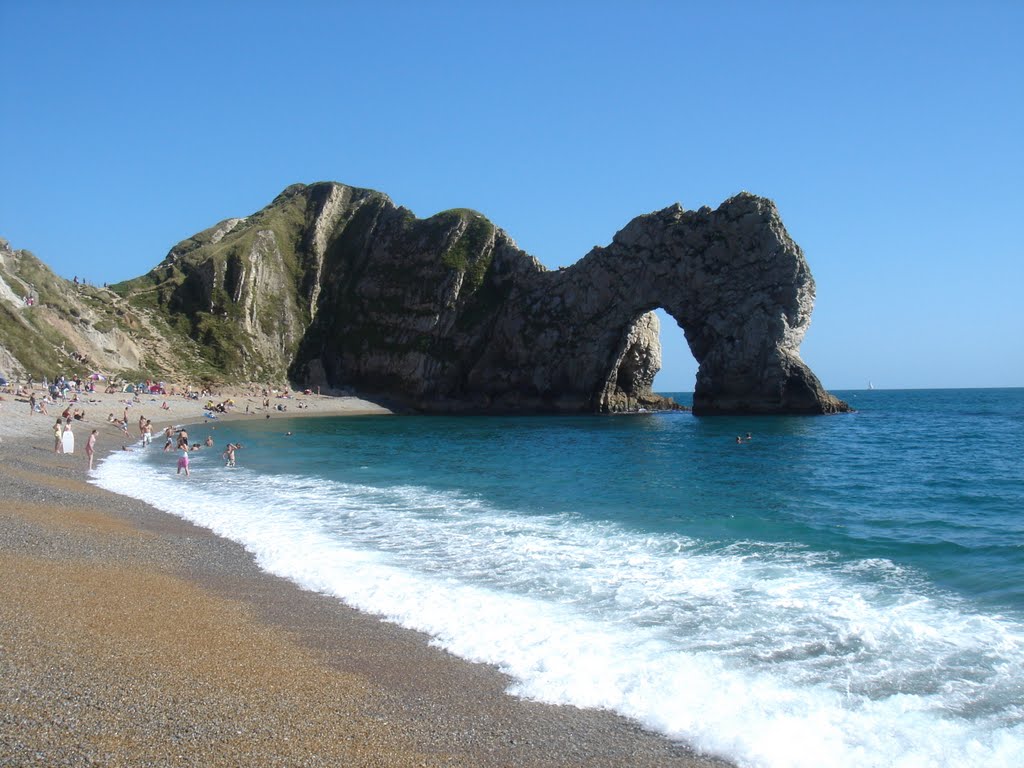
336 287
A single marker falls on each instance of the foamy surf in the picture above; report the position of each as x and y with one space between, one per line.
768 654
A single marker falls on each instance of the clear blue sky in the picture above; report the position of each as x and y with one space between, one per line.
889 134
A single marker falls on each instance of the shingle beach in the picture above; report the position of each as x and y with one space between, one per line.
129 637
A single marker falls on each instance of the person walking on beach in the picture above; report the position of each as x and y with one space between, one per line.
90 447
31 404
58 435
183 461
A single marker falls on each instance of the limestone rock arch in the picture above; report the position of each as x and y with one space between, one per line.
733 280
340 288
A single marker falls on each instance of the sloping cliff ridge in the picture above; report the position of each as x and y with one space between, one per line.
49 326
336 287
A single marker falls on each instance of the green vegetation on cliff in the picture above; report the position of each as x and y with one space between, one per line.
235 301
33 343
470 253
207 284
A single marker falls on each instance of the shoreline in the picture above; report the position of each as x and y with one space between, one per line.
132 636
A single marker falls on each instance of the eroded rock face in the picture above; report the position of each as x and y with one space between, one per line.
577 339
341 288
732 278
68 327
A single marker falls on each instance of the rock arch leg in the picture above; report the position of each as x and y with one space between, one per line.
630 380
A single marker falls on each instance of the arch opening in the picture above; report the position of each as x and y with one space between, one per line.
638 359
678 375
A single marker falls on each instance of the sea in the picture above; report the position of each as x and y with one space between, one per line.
839 590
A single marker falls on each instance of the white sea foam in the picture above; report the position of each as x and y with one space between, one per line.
771 655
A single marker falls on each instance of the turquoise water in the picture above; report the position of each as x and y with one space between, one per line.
841 590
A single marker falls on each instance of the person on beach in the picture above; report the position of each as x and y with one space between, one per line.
183 461
147 433
90 447
122 425
68 438
229 455
58 435
31 404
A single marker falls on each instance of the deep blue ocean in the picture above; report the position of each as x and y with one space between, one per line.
835 591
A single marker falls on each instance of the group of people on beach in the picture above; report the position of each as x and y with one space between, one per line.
178 440
78 414
73 390
64 439
62 389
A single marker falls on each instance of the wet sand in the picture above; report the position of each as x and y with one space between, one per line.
129 637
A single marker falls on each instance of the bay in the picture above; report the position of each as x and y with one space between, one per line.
842 590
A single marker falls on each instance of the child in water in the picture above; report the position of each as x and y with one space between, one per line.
183 461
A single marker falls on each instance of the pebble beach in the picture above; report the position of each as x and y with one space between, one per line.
129 637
